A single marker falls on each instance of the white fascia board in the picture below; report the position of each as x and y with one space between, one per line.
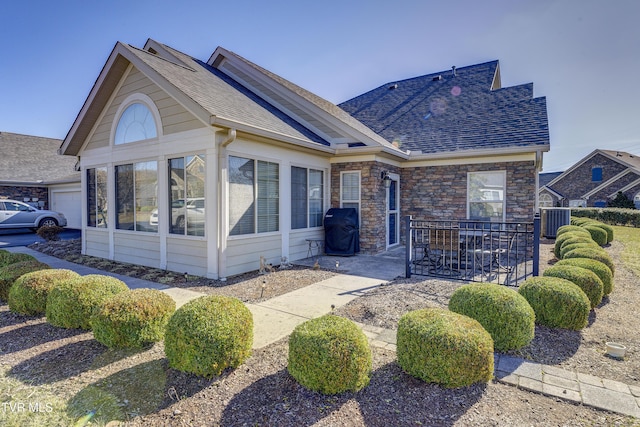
486 152
232 124
574 167
625 188
605 184
555 193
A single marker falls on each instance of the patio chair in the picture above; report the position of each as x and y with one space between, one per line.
494 258
443 251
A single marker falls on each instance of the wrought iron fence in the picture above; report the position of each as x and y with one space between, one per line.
478 251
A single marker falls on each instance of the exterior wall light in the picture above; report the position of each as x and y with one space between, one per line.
386 179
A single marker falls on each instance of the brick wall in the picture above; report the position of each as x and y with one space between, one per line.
20 193
578 182
437 192
603 194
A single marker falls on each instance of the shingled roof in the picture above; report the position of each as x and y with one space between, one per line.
455 111
30 159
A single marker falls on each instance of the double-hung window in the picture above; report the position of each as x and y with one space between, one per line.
307 197
97 197
350 190
254 196
136 196
486 196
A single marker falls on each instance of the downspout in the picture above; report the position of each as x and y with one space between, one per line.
223 209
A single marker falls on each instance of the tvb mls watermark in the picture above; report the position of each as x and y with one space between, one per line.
34 407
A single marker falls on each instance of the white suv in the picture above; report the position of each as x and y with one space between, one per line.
14 214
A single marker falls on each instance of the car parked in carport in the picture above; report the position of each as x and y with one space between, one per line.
14 214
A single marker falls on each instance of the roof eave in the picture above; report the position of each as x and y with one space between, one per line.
479 152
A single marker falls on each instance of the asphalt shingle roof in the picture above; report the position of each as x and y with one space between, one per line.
441 112
222 96
34 159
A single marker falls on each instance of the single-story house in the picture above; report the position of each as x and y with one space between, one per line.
204 167
32 171
594 181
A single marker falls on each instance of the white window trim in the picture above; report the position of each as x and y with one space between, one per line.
504 190
255 188
136 98
359 201
324 195
545 198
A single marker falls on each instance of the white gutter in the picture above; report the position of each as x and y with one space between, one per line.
232 124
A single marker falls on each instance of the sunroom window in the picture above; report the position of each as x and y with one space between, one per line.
253 196
136 123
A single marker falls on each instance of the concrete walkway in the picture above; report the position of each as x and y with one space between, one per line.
277 317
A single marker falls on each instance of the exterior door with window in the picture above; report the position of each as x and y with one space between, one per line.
393 211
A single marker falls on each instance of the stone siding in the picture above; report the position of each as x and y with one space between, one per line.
23 192
434 192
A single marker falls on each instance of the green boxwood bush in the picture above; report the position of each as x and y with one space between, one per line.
575 220
606 228
570 229
330 355
72 303
592 253
7 257
10 273
570 235
503 312
598 234
601 270
443 347
557 302
586 280
569 247
209 334
133 319
29 292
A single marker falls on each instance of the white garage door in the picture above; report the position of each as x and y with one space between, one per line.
70 204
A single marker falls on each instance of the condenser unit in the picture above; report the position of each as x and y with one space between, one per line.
554 218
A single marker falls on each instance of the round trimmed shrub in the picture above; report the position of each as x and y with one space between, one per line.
29 292
72 303
443 347
608 229
557 302
330 355
586 280
570 229
504 313
601 270
571 235
576 220
598 234
133 319
7 257
598 254
209 334
569 247
11 272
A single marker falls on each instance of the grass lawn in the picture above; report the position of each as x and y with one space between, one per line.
630 238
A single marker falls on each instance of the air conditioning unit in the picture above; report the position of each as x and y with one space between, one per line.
554 218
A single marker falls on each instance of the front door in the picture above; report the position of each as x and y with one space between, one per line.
393 211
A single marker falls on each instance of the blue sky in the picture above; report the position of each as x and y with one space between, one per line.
583 55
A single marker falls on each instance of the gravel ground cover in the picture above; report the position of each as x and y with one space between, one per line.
78 374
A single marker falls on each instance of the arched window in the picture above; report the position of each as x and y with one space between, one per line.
136 124
545 200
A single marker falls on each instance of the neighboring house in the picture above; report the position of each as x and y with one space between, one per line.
251 162
31 170
594 181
